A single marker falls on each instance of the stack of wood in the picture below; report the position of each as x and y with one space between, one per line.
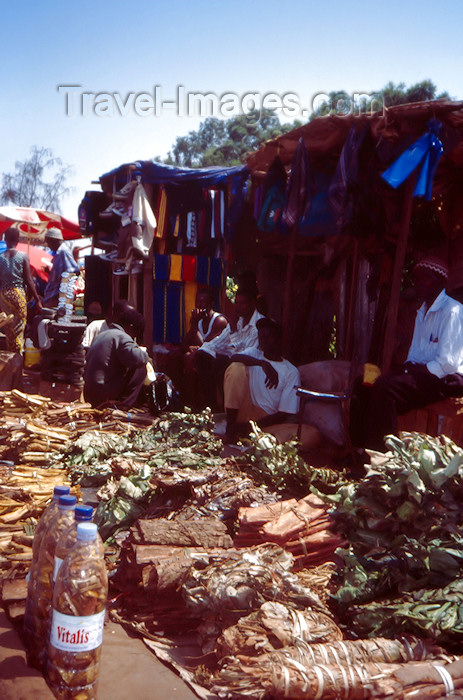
302 527
158 556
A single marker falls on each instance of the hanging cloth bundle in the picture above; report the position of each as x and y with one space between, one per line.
423 154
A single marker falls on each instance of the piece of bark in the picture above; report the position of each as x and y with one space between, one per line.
204 532
14 589
167 574
298 519
256 517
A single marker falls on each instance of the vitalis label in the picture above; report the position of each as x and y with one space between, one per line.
69 633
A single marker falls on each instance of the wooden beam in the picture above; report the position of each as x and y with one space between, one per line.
394 300
286 320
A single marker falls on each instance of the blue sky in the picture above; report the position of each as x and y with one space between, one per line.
269 46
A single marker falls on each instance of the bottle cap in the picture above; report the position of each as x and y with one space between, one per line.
67 502
60 491
83 513
86 531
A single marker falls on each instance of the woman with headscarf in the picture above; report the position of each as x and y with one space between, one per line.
15 279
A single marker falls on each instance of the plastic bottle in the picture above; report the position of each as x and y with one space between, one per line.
79 604
47 516
40 604
68 539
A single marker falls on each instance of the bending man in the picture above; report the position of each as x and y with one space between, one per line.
115 369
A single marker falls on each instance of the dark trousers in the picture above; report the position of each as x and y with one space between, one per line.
210 371
374 409
124 396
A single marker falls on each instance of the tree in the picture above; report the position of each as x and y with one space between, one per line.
226 141
340 102
27 186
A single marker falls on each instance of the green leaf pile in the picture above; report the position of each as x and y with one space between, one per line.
404 525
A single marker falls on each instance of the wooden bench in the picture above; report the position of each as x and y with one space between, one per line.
440 418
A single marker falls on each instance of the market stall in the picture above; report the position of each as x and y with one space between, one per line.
166 231
339 266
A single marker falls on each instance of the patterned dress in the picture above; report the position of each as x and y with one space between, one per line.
13 297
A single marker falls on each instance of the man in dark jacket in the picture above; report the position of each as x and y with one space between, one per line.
115 368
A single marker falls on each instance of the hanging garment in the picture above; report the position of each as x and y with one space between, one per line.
161 268
144 216
346 178
161 213
176 268
298 193
168 312
191 230
189 268
258 200
270 215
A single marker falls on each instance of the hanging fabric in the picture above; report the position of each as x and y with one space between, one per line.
298 193
346 178
424 154
189 268
161 213
161 267
176 268
168 312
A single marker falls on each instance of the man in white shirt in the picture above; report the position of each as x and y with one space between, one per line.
260 385
213 356
244 336
434 367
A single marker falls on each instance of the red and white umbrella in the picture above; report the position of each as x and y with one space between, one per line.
33 223
40 261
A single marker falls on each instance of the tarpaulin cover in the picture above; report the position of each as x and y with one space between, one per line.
158 173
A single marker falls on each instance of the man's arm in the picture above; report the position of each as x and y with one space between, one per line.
271 375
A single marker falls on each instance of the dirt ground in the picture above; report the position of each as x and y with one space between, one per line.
128 670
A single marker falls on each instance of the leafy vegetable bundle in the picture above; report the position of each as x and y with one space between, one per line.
404 524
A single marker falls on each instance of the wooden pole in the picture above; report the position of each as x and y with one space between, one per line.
148 300
288 287
351 311
394 300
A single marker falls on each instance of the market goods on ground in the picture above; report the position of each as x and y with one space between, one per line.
287 580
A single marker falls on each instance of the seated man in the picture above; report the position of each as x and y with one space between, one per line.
191 368
434 367
241 335
115 368
244 333
260 385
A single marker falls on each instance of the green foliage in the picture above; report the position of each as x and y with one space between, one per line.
27 186
226 141
280 465
340 102
231 288
403 524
